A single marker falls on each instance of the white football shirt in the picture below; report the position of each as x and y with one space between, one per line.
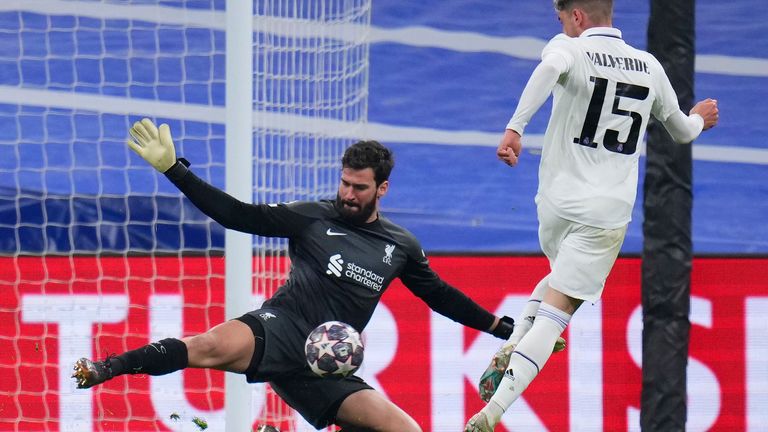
602 103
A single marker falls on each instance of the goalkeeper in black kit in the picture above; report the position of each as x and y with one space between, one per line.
344 255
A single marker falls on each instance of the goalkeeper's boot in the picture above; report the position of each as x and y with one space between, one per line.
478 423
267 428
493 374
89 373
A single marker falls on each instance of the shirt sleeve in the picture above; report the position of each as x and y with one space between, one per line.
271 220
665 102
683 128
443 298
556 60
666 108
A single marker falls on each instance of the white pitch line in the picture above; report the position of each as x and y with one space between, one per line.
323 127
149 13
528 48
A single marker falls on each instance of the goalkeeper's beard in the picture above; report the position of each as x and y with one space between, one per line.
356 213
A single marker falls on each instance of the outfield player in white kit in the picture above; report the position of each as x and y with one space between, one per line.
604 93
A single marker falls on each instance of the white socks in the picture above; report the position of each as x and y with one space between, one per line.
529 358
524 322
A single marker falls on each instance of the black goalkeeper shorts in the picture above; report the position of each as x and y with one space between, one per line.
283 365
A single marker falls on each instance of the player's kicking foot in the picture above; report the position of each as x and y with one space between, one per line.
267 428
90 373
493 374
478 423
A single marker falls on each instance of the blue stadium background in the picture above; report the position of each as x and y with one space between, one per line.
454 197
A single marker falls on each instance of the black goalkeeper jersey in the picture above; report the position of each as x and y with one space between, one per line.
339 270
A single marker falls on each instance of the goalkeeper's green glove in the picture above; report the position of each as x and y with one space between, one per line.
152 144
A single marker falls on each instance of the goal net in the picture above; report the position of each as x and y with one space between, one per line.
99 254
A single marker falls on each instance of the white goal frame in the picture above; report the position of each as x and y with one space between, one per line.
239 178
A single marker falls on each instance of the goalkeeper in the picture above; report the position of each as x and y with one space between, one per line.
344 254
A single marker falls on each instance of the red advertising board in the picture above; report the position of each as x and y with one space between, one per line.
56 309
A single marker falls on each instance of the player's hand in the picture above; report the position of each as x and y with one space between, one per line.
153 144
503 327
509 148
708 110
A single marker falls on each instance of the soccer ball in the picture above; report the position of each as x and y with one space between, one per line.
334 349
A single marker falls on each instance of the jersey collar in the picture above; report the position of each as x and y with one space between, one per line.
602 31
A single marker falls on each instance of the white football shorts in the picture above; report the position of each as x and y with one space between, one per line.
580 256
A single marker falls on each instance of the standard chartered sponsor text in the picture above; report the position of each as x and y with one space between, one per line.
364 276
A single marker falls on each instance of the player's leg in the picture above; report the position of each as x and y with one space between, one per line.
529 357
491 377
157 358
370 410
552 231
581 259
347 402
228 346
524 322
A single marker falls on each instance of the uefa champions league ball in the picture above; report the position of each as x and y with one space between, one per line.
334 349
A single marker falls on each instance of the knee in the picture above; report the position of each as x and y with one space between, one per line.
203 346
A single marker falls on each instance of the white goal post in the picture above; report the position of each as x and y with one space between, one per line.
239 178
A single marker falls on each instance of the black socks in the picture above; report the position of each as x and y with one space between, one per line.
157 358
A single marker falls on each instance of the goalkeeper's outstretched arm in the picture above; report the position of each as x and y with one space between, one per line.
155 145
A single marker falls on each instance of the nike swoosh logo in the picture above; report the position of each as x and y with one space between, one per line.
334 233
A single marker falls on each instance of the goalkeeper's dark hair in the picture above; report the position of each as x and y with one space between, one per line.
599 9
370 154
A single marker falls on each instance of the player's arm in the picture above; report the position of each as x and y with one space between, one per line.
682 128
450 301
686 128
536 92
155 145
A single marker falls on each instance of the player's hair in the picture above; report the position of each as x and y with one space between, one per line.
599 10
369 154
